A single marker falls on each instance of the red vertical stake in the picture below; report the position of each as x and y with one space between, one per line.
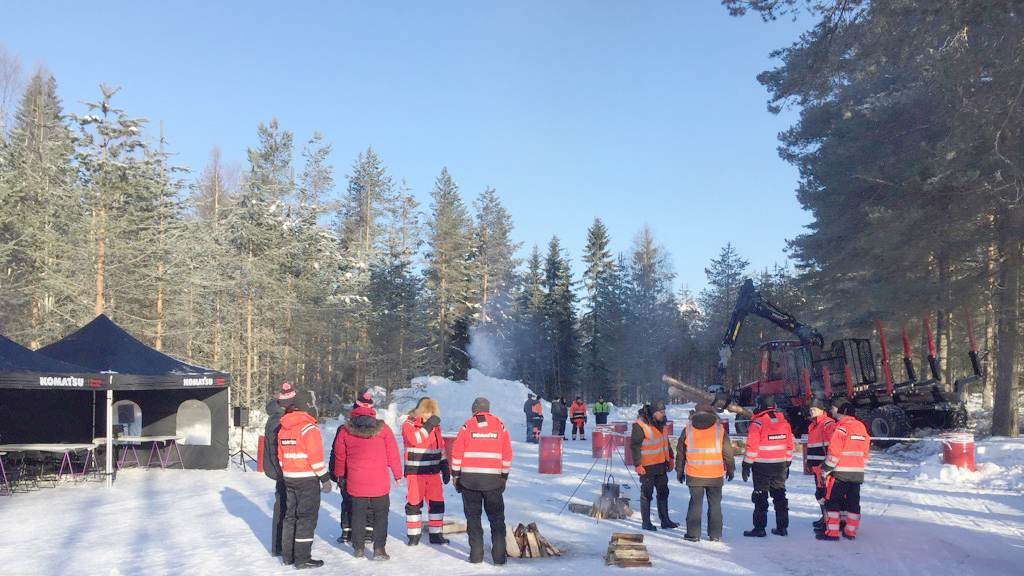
827 381
848 375
806 377
886 368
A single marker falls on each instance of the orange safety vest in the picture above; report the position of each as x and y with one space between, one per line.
819 431
538 409
848 447
654 449
769 439
578 411
704 451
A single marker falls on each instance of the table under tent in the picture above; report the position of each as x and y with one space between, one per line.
148 395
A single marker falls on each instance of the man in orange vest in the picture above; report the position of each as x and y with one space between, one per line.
819 431
652 454
578 416
769 455
481 460
705 456
843 471
425 469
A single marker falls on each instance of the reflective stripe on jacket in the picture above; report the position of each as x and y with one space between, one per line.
819 431
848 450
769 439
300 448
424 451
578 411
654 449
704 451
482 453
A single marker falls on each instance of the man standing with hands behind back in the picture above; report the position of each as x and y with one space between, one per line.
652 453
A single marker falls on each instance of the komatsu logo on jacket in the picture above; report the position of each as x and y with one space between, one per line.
54 381
484 434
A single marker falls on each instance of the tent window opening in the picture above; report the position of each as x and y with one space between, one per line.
194 423
128 416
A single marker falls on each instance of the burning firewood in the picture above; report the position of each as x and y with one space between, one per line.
527 542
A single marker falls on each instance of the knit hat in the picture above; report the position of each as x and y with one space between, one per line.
819 403
364 399
481 405
657 406
287 394
846 408
305 401
765 402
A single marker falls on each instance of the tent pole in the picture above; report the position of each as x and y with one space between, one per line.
110 434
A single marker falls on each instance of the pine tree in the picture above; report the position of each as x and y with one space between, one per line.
38 211
559 323
598 326
450 276
717 302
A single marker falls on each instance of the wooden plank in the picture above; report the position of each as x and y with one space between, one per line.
615 546
632 555
634 564
580 508
531 540
512 544
627 536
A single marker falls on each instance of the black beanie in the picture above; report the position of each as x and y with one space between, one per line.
481 405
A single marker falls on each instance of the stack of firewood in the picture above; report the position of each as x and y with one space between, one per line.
526 542
627 550
604 507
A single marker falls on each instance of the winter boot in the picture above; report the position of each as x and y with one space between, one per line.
666 522
649 526
824 536
414 540
358 553
755 533
780 531
311 563
689 538
438 538
645 514
380 554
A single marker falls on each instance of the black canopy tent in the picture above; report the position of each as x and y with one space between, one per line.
159 385
43 399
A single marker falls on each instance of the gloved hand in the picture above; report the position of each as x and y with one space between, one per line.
341 485
746 471
671 464
681 476
504 481
446 475
325 485
825 473
640 470
455 482
788 466
729 475
431 423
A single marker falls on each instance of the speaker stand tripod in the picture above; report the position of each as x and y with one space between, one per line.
242 454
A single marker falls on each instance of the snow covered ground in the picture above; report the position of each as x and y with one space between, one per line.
919 516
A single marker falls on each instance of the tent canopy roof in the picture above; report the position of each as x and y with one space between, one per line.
104 346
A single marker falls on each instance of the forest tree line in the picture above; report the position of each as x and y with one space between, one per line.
911 159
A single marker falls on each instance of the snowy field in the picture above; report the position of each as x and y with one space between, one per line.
919 516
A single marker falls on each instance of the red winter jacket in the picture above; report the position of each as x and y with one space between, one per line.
363 451
300 448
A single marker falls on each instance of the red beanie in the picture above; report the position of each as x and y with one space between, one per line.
287 392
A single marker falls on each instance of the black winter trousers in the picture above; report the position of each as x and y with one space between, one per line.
302 500
346 518
648 484
558 428
493 503
280 493
775 486
379 507
693 513
601 418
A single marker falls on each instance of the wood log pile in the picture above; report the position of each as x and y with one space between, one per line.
627 550
527 542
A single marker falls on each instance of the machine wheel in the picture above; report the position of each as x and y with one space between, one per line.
957 418
888 421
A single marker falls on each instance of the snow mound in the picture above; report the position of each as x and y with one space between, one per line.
1007 474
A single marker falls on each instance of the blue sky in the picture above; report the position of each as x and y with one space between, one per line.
637 112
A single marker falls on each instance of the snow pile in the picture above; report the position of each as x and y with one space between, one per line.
999 464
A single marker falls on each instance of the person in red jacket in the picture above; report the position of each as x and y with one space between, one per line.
300 453
364 451
769 455
578 416
425 468
843 471
819 431
481 460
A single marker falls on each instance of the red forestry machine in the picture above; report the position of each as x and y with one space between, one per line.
796 371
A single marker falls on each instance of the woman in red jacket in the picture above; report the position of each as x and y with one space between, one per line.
364 450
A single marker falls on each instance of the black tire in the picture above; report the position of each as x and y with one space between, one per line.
888 421
957 418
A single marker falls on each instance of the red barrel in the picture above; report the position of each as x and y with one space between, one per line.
621 431
549 455
601 446
958 450
259 454
669 428
449 441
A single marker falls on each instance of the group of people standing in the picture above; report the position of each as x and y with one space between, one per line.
560 413
364 462
703 459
